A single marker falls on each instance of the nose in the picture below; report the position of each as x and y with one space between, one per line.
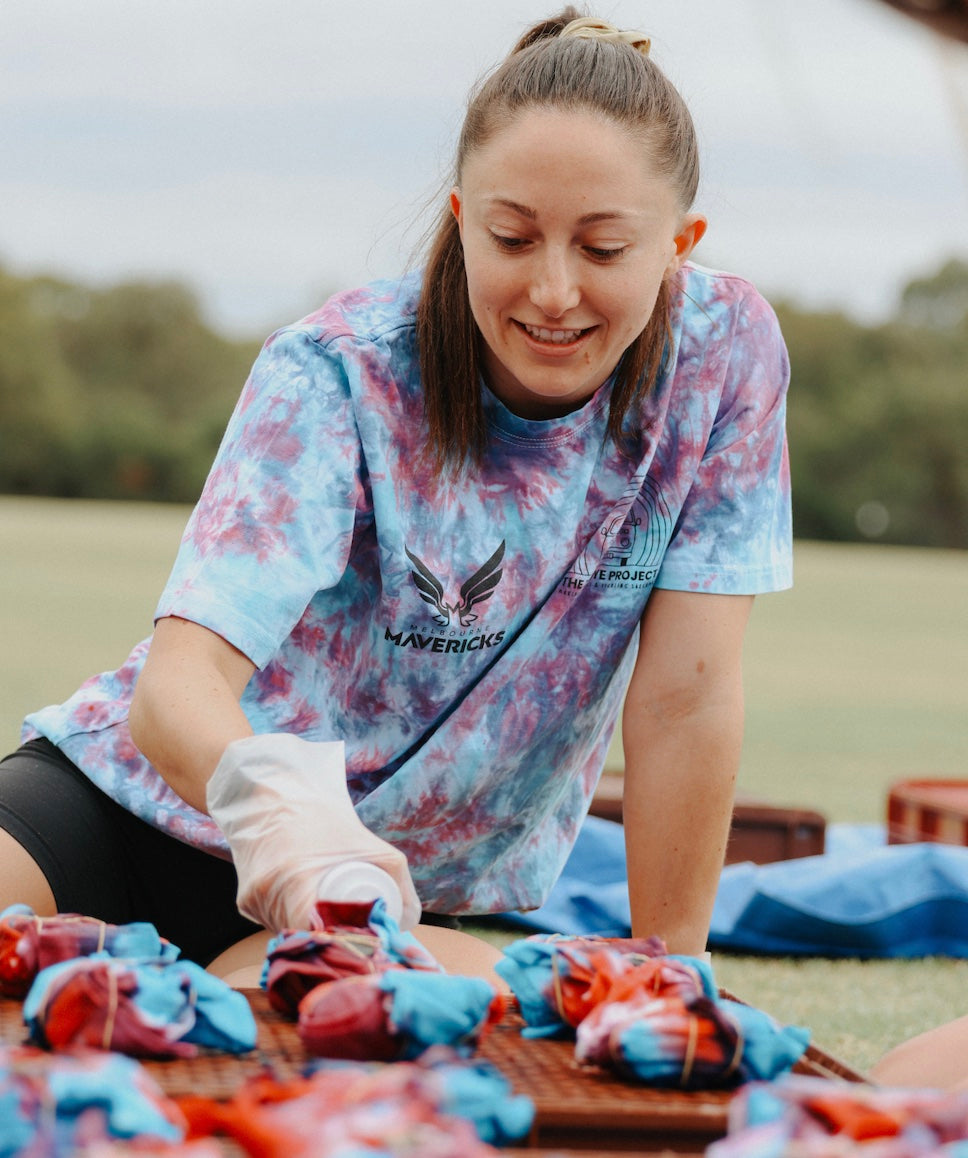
554 284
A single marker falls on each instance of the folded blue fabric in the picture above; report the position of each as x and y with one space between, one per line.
861 898
905 900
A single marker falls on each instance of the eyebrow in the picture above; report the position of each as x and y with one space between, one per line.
531 214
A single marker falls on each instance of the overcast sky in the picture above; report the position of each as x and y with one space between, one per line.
269 152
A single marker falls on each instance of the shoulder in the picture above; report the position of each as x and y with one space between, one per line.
721 318
718 301
368 314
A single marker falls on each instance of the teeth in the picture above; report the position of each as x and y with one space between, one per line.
559 336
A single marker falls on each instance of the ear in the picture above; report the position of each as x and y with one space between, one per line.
690 233
457 208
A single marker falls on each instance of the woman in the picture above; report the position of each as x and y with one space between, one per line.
453 518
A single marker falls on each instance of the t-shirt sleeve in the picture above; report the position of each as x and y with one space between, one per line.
275 519
734 533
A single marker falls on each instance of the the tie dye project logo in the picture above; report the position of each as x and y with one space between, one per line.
455 615
629 546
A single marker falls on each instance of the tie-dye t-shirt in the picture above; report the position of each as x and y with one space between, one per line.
469 639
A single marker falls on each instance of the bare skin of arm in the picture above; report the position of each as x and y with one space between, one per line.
682 734
186 707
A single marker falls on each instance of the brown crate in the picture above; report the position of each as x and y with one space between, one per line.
928 810
760 832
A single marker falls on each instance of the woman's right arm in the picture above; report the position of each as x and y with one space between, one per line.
186 706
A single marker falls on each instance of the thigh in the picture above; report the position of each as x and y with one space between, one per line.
936 1058
462 953
102 861
56 820
22 881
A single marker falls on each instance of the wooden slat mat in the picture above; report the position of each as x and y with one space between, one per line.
578 1108
584 1107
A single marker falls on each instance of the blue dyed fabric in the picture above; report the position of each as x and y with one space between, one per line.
43 1098
437 1008
869 900
861 898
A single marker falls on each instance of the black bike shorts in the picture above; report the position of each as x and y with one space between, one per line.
102 861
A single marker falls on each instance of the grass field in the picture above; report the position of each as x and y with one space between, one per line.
855 679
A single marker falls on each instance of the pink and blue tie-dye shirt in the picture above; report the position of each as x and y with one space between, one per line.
470 640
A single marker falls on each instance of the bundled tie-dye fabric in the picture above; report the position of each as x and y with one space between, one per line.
66 1105
818 1118
142 1008
348 939
655 1018
349 1110
686 1039
558 980
396 1014
364 990
29 943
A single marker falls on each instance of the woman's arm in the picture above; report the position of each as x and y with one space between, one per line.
281 801
186 707
682 733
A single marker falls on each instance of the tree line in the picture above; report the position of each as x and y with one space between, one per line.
123 393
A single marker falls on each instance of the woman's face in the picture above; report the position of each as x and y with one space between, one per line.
567 236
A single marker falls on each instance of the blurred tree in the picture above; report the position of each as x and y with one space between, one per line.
878 419
116 393
938 302
124 392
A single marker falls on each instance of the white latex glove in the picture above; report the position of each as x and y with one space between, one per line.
285 810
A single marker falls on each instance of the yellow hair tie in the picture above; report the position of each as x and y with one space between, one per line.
591 28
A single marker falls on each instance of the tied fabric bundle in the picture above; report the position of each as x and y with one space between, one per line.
685 1038
364 990
559 980
818 1118
141 1008
348 939
396 1014
67 1105
658 1019
29 943
348 1110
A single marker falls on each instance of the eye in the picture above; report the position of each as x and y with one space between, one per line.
508 243
605 255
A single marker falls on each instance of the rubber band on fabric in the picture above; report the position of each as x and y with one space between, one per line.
557 991
591 28
112 1011
740 1044
689 1058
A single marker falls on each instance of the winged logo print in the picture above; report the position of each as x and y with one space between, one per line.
475 590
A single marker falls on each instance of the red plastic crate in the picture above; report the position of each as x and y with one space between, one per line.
928 810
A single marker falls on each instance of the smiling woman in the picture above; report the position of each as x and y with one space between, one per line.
568 235
453 518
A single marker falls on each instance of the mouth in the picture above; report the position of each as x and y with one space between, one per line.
558 339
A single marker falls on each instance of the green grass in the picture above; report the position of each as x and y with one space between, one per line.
856 678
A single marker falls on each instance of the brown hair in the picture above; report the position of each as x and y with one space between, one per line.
602 74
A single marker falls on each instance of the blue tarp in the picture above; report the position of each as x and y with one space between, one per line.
861 898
